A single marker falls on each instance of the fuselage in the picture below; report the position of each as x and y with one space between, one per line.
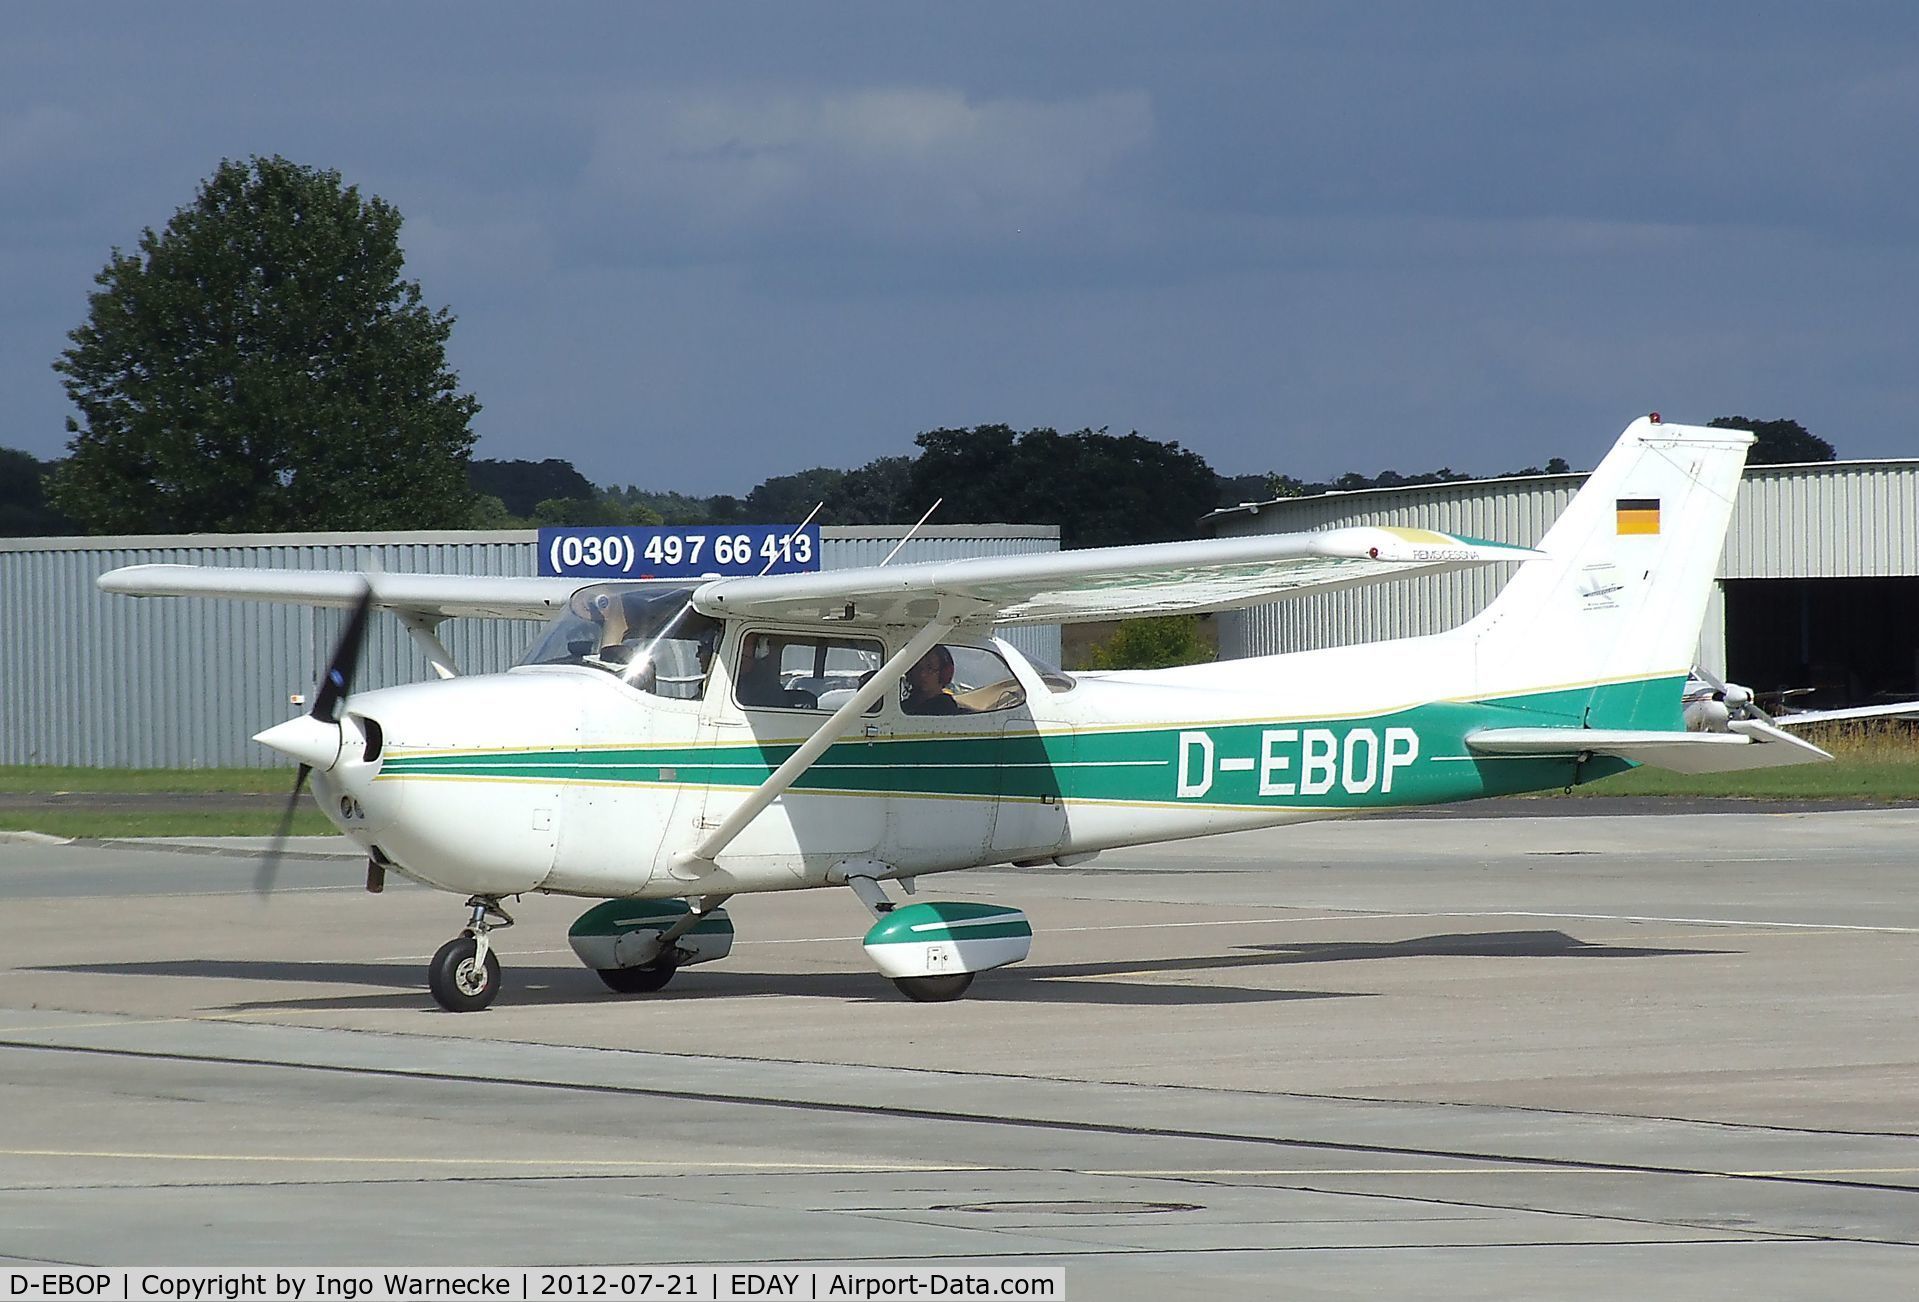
570 779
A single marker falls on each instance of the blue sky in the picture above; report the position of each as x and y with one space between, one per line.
694 245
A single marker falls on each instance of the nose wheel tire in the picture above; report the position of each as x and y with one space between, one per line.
934 989
458 983
638 980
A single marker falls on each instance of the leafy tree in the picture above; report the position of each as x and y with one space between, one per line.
24 512
597 509
788 499
1234 489
672 508
261 364
489 512
522 485
724 508
1100 488
1152 643
876 493
879 492
1780 441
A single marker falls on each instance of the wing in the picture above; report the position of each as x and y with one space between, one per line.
1104 582
427 594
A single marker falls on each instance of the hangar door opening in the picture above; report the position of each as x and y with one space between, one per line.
1853 641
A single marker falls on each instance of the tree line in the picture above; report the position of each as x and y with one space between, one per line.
262 364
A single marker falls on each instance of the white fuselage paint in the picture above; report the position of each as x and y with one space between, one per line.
501 836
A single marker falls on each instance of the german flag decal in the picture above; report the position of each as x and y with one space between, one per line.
1638 515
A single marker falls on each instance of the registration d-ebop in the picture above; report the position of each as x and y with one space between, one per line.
60 1283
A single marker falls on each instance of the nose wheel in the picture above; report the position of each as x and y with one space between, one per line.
464 975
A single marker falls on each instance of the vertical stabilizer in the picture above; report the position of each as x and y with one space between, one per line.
1629 566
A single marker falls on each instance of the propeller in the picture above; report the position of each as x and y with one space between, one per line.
1738 700
314 738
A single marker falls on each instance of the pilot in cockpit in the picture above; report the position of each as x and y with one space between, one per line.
926 684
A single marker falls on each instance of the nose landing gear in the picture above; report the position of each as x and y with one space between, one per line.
464 975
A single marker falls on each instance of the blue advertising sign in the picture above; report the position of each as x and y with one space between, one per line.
687 551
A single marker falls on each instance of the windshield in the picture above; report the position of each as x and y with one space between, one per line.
1057 680
648 635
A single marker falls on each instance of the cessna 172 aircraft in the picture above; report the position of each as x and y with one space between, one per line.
668 745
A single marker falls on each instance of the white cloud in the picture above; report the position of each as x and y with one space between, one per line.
904 165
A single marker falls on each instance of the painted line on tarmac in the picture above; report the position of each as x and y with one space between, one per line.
783 1101
1692 922
1349 915
1789 1172
1333 914
128 1155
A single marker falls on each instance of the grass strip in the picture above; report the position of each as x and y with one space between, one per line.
88 825
28 779
1853 780
1872 760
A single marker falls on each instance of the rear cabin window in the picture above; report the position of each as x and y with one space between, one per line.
782 671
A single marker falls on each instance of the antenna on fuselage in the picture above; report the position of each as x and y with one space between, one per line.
915 529
796 528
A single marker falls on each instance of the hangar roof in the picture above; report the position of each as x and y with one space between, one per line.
1372 497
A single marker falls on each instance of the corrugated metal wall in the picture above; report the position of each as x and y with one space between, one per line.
1846 520
1838 520
1515 511
107 681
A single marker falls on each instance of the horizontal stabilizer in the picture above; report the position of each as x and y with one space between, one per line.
1750 745
1808 718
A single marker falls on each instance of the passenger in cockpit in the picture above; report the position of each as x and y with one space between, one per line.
759 678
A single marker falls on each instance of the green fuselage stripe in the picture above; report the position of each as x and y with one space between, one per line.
1249 764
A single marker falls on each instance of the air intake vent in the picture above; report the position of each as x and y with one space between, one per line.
375 738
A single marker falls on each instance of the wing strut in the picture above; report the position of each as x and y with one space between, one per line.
837 726
424 630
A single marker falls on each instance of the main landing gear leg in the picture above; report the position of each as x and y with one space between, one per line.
464 975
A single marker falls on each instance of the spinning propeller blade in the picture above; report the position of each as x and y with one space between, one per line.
1739 700
334 685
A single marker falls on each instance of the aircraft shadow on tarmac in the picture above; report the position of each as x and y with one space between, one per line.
1471 944
527 985
1068 983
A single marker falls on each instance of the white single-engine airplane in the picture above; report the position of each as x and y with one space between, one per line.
669 745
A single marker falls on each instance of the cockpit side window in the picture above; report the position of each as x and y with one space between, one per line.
956 679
